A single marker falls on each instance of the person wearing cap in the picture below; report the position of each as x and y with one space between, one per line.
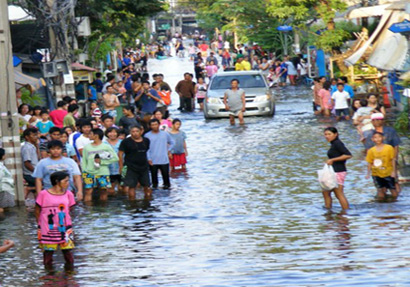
390 135
238 64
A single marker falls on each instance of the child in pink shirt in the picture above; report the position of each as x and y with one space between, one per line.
54 221
325 99
211 69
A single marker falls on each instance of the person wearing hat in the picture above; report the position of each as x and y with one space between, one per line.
238 64
390 135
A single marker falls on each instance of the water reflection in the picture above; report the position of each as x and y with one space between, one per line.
247 212
59 279
339 224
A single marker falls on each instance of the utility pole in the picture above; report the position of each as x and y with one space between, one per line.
60 49
8 108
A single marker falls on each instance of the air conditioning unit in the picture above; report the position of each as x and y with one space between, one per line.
49 69
62 67
84 27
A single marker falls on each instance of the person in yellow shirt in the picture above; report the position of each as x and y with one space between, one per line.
246 65
238 65
382 166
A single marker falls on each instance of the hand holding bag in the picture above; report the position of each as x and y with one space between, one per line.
327 178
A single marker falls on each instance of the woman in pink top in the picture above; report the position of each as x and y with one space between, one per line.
325 99
211 69
54 221
165 124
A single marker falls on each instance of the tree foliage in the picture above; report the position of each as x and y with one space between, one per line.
122 19
301 13
248 19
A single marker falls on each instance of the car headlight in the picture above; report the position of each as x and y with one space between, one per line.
215 101
263 98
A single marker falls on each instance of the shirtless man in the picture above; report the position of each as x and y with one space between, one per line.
110 102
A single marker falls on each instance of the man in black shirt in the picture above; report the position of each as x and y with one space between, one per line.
129 119
135 150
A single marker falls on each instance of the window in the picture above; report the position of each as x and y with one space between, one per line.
245 81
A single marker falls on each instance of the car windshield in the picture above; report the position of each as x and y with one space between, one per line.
245 81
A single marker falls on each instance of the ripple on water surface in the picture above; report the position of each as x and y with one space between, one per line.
248 212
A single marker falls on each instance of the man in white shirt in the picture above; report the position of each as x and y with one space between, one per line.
340 100
110 82
84 139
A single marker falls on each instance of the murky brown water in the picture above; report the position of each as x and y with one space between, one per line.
248 212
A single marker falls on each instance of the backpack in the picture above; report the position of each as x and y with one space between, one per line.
165 97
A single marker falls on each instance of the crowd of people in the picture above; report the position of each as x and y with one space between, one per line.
336 98
279 72
68 156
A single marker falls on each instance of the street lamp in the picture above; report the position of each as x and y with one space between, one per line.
285 29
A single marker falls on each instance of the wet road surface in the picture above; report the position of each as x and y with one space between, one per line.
248 212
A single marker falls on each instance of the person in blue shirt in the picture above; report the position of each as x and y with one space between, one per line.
92 93
333 86
283 73
148 98
98 83
126 60
347 88
45 124
159 153
127 81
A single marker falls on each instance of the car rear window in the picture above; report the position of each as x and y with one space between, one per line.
245 81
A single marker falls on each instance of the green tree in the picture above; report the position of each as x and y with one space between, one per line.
299 13
248 20
123 19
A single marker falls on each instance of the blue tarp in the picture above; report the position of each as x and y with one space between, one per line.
16 61
321 62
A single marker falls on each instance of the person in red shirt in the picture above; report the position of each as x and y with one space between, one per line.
57 116
204 49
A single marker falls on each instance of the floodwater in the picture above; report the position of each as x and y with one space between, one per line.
248 212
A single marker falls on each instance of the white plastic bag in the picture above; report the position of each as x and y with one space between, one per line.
327 178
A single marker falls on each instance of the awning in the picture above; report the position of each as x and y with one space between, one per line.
80 67
16 14
382 26
31 83
390 49
364 12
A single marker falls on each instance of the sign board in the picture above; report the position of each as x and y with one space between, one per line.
165 27
284 28
401 27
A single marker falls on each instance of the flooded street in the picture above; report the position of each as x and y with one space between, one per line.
248 212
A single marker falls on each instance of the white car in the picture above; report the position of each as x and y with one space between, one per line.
259 98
